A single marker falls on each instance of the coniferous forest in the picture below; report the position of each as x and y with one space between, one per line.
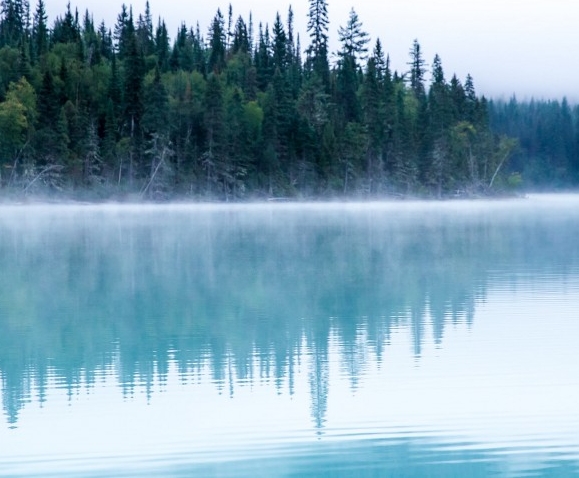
249 110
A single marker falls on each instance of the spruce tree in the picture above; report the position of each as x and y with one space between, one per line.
353 40
162 46
240 43
317 52
439 118
66 29
14 24
105 41
217 41
263 60
145 38
39 44
132 96
279 45
120 34
417 70
373 112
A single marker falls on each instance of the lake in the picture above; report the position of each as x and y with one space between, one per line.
365 340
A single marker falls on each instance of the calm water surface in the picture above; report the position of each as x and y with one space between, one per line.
394 339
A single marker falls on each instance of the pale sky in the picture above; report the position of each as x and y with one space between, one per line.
528 48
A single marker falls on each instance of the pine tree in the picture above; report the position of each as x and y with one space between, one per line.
353 40
279 45
291 47
145 38
156 126
439 117
240 43
14 23
229 28
417 70
105 42
374 117
66 29
90 41
199 51
39 45
263 60
421 146
217 41
133 95
182 53
162 46
317 52
121 33
457 99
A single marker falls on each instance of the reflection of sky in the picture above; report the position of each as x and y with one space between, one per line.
507 385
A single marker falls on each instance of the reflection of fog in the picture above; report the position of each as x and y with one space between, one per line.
250 291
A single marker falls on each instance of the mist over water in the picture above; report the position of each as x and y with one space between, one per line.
291 339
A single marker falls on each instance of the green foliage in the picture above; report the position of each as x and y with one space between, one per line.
317 52
237 114
8 67
17 117
13 125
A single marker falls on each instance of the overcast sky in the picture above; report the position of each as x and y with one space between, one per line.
528 48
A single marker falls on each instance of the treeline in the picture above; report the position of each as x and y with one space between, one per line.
236 113
548 136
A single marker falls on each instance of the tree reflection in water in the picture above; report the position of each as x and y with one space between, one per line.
247 291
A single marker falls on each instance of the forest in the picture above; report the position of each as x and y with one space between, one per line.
245 111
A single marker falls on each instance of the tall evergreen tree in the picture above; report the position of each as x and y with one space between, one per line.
439 117
417 70
240 42
353 40
121 33
217 44
374 116
182 53
133 96
279 45
263 60
105 41
317 52
14 22
162 45
39 44
91 41
145 37
66 29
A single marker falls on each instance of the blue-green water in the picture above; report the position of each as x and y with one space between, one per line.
395 339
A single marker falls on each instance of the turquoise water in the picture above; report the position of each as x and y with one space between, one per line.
381 339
